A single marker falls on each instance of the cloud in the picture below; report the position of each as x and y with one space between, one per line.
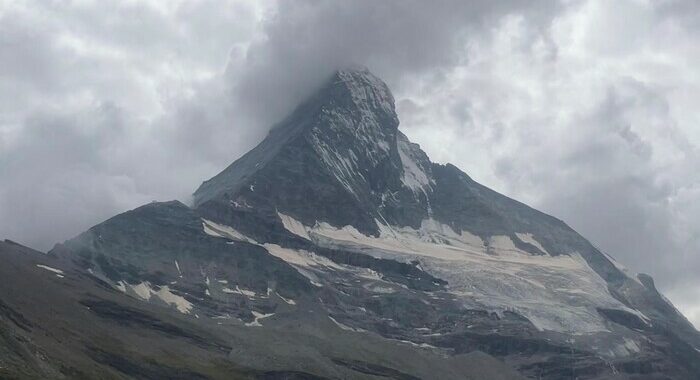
107 105
306 41
583 108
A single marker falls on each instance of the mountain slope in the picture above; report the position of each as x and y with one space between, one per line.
59 321
337 249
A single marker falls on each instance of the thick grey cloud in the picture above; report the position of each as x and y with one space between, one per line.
307 40
586 109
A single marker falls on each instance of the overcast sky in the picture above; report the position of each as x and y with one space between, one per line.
588 110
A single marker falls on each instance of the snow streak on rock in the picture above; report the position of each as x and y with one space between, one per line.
556 293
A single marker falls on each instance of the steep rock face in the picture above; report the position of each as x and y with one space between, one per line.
335 159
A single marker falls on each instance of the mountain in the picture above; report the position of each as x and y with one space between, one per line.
336 249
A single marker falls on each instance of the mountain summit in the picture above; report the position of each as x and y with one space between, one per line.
353 110
342 142
337 249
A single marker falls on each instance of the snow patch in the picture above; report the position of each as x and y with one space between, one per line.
345 327
238 290
299 257
380 289
413 176
223 231
121 286
50 269
530 239
288 301
182 305
144 291
370 274
294 226
305 262
502 244
414 344
227 316
258 316
433 239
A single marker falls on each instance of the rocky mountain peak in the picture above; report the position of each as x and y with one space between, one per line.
356 123
349 127
367 92
339 174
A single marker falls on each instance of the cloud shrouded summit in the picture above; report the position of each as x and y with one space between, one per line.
585 109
